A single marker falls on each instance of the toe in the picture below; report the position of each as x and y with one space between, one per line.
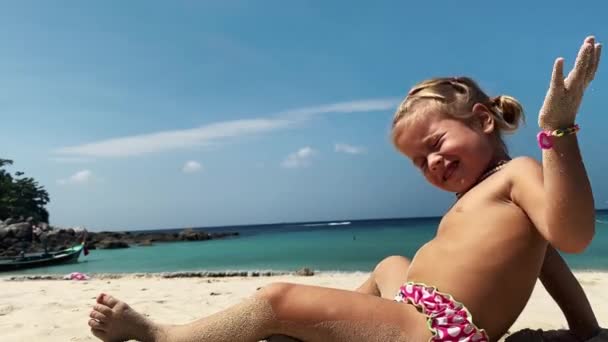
100 334
107 300
98 316
95 324
100 297
103 309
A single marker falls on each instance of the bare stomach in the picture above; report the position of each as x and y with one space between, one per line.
494 288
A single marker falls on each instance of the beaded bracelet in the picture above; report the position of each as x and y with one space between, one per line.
545 138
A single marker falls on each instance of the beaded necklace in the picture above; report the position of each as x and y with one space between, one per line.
486 174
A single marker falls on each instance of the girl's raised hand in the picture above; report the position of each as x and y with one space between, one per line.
565 95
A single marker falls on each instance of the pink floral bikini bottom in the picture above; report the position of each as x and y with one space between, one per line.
447 319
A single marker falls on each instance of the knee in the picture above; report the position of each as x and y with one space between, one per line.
392 262
274 293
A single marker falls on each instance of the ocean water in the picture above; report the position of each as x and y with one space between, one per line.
337 246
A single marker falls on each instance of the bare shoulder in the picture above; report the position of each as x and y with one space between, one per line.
525 178
525 162
519 176
523 167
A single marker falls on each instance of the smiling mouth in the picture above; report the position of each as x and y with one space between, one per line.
449 170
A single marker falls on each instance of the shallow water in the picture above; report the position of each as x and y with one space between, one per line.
339 246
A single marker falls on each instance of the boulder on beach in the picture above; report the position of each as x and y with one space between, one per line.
22 230
306 272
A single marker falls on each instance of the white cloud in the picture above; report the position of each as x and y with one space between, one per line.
191 166
349 149
212 133
80 177
300 158
170 140
356 106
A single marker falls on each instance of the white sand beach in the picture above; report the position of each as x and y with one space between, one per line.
57 310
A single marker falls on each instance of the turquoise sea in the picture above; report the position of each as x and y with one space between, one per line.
323 246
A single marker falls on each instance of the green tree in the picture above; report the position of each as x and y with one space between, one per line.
21 196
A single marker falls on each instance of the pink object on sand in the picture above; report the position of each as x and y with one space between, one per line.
76 276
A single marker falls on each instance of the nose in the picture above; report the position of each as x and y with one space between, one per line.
435 162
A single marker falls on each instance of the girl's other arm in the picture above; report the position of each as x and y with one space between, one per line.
565 289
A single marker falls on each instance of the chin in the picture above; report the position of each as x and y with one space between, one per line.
456 188
453 185
452 190
447 188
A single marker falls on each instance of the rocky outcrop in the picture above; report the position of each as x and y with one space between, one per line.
21 231
21 234
191 235
112 244
105 239
305 272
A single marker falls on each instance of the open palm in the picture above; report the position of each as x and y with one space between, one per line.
565 95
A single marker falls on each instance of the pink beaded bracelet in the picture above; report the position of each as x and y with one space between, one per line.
545 138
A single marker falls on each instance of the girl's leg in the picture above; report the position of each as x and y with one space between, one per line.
386 278
389 274
308 313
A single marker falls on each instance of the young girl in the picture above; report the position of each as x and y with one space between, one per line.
471 281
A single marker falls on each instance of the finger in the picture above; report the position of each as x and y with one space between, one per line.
578 75
98 316
557 78
591 67
598 55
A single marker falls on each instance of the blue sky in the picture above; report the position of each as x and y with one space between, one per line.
148 114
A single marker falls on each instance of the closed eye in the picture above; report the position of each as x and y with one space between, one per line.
437 142
419 163
422 165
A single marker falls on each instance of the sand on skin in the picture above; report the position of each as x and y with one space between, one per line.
57 310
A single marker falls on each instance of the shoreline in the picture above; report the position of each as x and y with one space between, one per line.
164 275
182 274
304 273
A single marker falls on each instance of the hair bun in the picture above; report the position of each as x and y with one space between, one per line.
509 112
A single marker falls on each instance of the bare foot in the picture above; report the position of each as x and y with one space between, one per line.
114 321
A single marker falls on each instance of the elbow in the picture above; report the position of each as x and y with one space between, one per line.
578 240
575 246
586 231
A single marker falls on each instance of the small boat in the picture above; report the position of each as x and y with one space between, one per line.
41 259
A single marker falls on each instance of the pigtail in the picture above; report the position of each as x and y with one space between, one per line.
509 112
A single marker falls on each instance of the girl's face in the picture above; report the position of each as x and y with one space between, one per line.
451 155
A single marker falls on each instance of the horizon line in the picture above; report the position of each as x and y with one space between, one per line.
287 223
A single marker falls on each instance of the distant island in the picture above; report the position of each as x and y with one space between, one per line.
28 236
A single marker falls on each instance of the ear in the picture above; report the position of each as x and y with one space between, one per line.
484 117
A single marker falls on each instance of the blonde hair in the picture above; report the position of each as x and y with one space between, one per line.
456 96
